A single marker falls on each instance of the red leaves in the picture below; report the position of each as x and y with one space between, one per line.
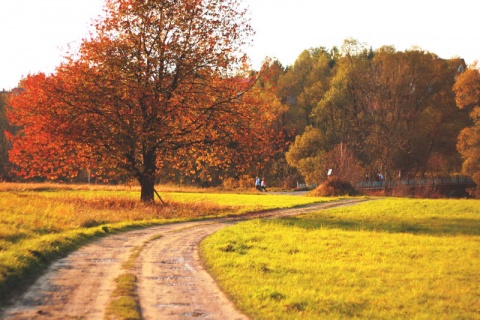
37 148
159 79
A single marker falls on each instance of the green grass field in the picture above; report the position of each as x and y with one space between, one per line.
42 222
384 259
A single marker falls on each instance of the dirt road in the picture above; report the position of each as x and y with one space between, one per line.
172 283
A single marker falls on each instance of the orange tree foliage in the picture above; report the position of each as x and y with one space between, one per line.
157 81
36 150
467 93
253 141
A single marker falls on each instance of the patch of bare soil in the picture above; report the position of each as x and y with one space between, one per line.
172 283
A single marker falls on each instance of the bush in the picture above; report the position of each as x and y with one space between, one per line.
334 187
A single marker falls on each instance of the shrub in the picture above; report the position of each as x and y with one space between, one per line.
334 187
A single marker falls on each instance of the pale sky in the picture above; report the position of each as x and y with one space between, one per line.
34 34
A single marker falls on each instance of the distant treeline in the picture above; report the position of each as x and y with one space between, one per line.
354 110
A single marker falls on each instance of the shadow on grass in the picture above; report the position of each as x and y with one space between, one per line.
432 226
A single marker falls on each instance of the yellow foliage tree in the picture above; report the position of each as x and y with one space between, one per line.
467 93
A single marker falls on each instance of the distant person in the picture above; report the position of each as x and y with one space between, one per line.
263 185
258 185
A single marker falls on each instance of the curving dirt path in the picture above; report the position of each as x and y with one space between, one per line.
171 281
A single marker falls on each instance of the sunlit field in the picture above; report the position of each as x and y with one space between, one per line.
384 259
41 222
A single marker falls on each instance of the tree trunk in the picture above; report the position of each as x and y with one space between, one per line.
147 184
147 179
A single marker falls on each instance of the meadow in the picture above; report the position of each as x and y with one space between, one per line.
42 222
383 259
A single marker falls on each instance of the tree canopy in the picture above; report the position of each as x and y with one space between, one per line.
467 92
157 78
393 111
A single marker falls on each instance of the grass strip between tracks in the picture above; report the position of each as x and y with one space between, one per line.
124 302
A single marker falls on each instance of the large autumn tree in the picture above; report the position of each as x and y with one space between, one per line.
156 78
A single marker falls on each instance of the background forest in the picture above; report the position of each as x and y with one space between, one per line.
352 109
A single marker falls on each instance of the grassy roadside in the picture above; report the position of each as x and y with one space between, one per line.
42 222
384 259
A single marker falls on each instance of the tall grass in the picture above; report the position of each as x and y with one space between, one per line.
385 259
